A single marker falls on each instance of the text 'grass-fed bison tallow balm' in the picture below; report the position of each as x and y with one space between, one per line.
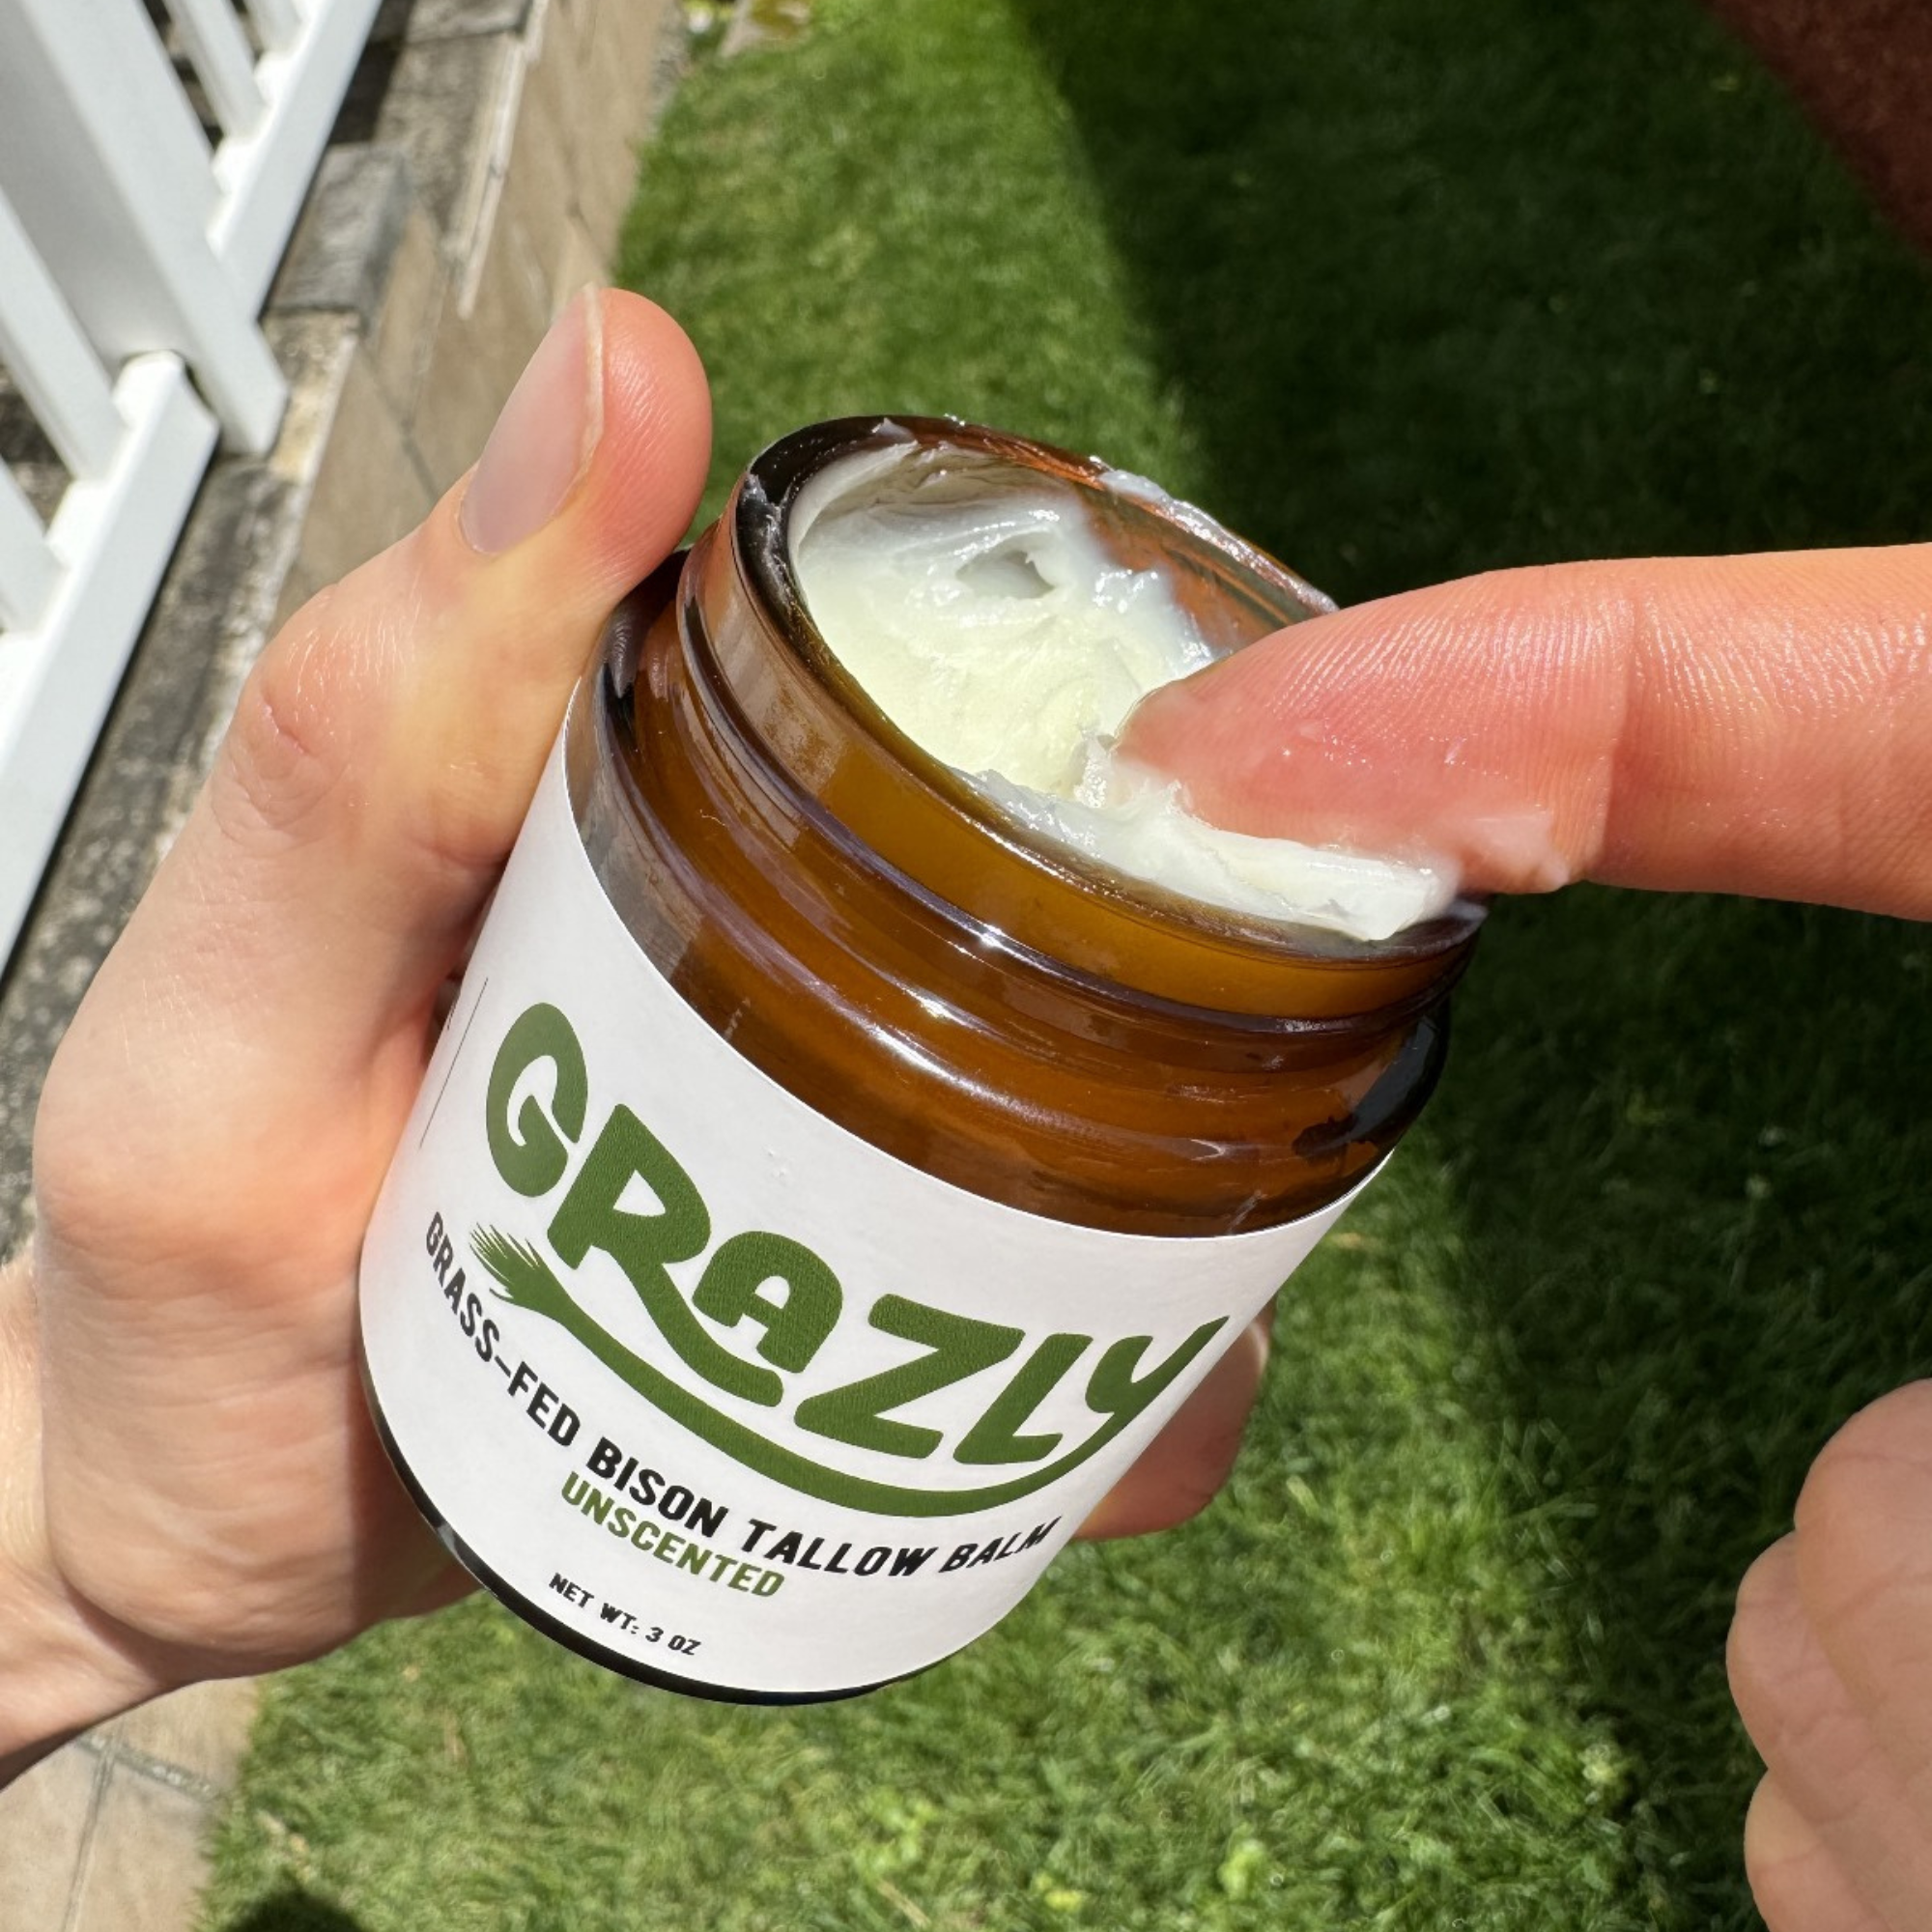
870 1108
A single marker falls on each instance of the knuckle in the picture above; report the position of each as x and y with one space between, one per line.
1767 1657
285 756
1895 1431
1794 1706
1781 1858
1864 1515
76 1172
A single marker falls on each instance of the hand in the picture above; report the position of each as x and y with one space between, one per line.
1830 1659
1751 724
189 1485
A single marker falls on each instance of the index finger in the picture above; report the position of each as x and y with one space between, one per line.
1756 725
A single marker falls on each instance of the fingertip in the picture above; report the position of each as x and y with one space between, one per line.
1879 1464
656 447
638 461
1467 723
1795 1878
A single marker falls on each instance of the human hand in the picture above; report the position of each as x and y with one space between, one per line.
1752 724
1831 1662
189 1485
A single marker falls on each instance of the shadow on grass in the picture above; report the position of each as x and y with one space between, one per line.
293 1911
1446 288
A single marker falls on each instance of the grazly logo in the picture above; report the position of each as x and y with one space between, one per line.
775 1293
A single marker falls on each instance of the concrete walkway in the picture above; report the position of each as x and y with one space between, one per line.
110 1834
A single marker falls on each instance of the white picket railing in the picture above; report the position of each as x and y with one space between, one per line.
153 161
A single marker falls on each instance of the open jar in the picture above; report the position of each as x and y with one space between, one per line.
829 1180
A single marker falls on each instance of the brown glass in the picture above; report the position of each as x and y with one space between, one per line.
875 935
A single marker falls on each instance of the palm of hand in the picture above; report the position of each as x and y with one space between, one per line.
213 1482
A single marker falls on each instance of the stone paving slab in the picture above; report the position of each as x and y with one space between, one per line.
47 1820
110 1834
144 1866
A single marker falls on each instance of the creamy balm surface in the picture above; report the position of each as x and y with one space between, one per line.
991 623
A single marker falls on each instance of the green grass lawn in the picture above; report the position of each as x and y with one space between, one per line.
1404 290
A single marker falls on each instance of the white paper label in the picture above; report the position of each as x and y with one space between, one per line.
721 1392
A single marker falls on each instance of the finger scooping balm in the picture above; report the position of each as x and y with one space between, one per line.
870 1108
986 614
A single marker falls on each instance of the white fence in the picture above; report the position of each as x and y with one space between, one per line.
153 155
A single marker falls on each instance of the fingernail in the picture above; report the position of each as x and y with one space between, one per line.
545 438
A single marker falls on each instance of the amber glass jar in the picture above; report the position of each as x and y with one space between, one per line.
825 1185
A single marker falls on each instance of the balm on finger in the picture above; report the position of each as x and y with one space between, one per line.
858 1129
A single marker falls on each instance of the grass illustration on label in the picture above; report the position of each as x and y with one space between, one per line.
525 1280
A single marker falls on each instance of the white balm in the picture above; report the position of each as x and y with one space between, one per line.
995 627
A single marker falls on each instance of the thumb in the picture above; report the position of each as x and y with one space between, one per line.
1756 725
383 754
